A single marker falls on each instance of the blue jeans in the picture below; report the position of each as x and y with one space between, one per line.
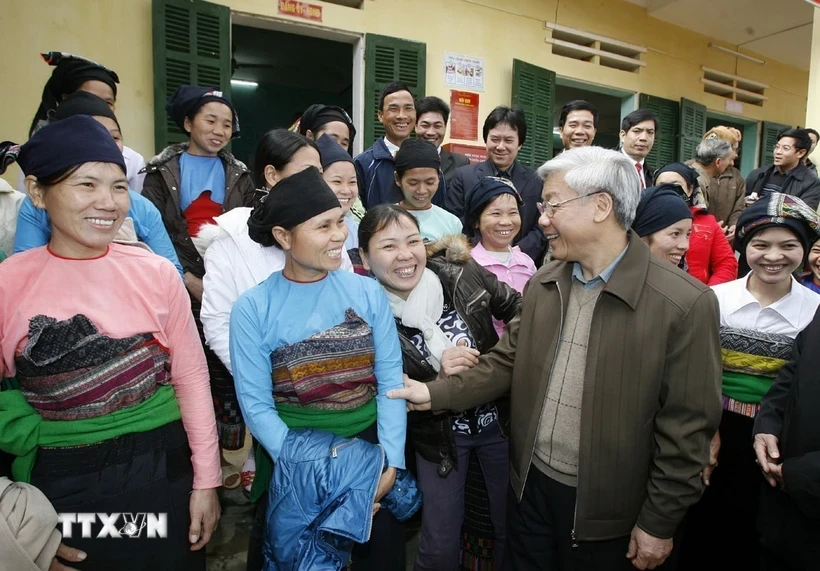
443 508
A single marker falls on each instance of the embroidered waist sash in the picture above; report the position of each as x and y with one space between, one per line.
325 382
329 371
69 371
751 361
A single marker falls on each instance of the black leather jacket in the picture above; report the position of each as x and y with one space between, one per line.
478 296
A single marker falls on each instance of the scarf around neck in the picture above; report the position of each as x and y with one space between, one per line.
421 310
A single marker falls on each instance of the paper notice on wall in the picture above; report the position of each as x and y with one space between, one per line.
464 115
463 71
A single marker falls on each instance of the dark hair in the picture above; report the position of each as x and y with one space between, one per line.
432 104
512 116
59 176
637 117
811 131
377 218
802 141
390 89
578 105
276 148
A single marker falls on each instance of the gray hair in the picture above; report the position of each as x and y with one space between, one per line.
594 169
711 150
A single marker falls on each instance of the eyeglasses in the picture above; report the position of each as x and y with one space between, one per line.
549 208
784 148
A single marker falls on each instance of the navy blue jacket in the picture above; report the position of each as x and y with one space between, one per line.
320 500
375 170
531 239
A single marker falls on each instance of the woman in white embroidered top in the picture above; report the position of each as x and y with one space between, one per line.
760 315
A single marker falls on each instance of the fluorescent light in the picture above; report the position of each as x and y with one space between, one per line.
244 83
737 54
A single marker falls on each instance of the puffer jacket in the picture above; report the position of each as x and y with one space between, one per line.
321 500
478 296
710 258
161 186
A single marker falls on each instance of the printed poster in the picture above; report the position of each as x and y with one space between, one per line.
462 71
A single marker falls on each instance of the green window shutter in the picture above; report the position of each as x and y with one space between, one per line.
692 128
533 90
769 140
386 60
192 46
665 149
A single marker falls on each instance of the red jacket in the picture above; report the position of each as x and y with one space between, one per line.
710 257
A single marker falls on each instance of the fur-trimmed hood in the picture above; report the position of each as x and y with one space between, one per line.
177 149
453 248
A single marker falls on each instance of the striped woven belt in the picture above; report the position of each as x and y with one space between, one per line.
744 408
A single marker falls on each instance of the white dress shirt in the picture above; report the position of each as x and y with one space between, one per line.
634 162
789 315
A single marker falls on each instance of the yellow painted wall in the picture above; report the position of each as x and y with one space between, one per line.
117 33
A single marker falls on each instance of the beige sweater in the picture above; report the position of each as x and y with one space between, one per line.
559 432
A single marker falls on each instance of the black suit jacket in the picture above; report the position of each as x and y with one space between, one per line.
450 162
531 239
648 175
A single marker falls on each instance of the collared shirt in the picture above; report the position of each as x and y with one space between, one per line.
391 147
634 162
789 315
603 277
508 174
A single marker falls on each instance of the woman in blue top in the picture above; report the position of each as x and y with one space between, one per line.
312 347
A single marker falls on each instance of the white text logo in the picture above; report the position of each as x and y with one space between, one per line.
115 525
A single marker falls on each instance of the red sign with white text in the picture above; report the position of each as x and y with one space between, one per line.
301 10
464 115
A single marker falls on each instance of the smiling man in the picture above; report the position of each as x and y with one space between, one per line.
613 370
375 167
637 139
505 131
431 126
578 124
788 174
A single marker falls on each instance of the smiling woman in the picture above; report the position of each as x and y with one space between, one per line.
109 371
316 348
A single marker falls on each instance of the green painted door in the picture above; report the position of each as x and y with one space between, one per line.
192 46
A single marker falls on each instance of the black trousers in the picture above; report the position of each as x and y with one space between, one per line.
384 552
720 530
142 472
539 533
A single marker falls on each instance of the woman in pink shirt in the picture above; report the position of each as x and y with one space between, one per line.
106 405
493 216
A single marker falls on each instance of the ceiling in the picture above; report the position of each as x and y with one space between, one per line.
777 29
291 60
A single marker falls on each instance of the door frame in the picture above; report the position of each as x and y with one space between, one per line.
629 99
750 144
325 33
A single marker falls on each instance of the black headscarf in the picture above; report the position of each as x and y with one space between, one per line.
317 115
70 72
417 154
294 200
660 207
331 152
83 103
63 144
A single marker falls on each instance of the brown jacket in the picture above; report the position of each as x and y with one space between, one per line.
725 195
651 400
161 187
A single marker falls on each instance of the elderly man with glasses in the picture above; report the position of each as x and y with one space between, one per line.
614 373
